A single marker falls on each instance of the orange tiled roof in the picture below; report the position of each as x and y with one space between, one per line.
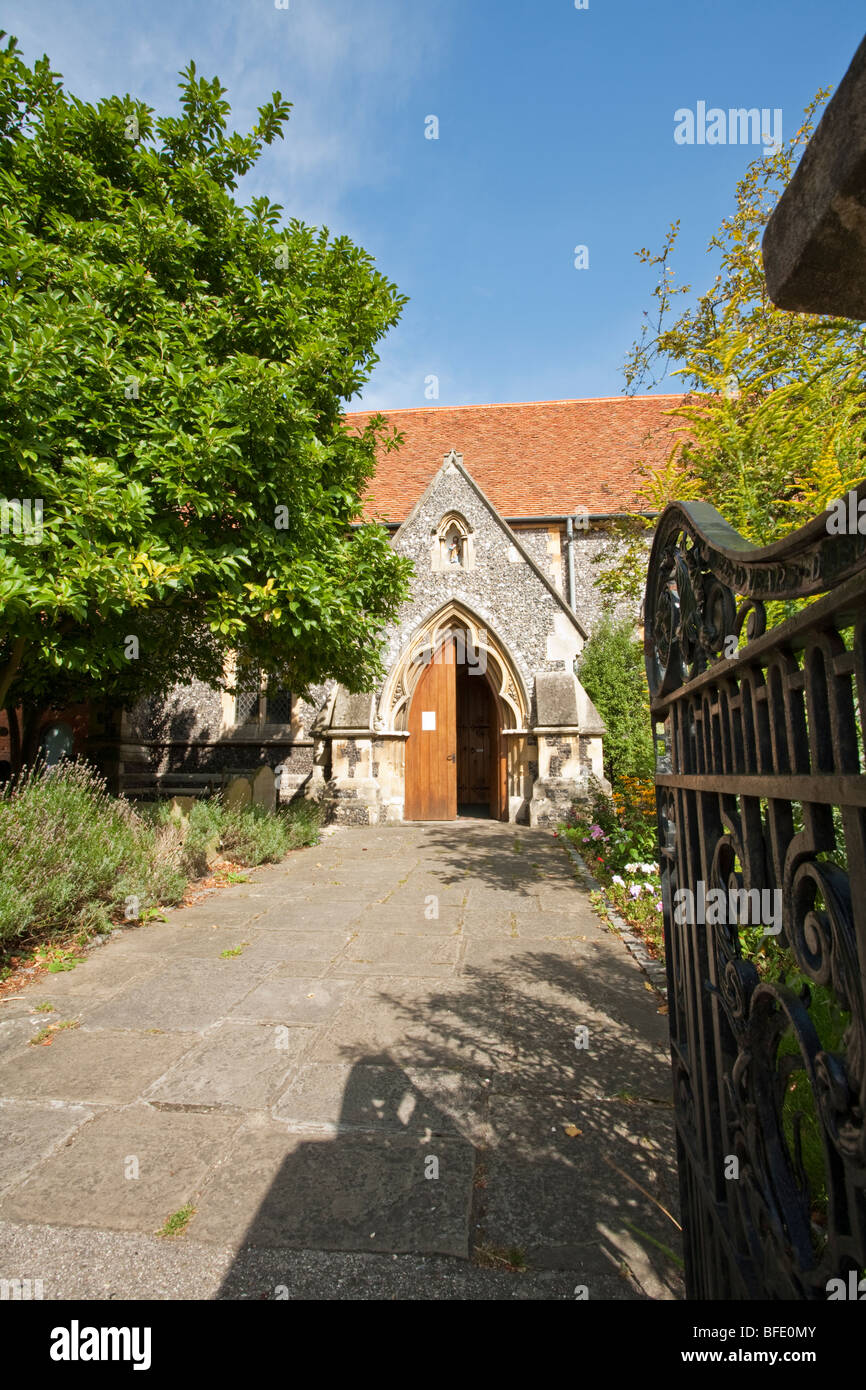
537 458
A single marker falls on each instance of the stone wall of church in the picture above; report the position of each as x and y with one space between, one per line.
594 551
500 587
546 545
190 737
192 732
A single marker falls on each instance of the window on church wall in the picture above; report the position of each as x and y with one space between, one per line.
258 703
247 697
246 706
278 706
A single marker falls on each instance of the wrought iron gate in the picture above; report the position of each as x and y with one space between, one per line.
760 786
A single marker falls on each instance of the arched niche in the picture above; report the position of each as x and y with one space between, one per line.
453 544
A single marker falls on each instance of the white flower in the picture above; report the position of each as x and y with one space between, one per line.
649 868
651 888
619 881
632 868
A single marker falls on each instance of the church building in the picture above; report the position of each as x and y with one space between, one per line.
505 511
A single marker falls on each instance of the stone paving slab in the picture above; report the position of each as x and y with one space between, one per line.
310 916
183 995
239 1066
354 1192
421 885
554 1198
214 912
16 1032
503 956
287 998
299 1095
31 1130
200 942
87 1180
410 918
381 953
417 1023
315 948
503 900
104 973
353 890
335 1098
100 1067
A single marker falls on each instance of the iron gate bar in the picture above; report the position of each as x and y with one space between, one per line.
760 785
827 788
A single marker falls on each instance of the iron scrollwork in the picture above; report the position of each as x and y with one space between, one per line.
761 797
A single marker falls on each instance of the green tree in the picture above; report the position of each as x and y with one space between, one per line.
612 674
774 419
173 372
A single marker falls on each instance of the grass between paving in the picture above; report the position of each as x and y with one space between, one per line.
78 861
177 1223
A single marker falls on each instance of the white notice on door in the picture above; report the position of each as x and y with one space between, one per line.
428 719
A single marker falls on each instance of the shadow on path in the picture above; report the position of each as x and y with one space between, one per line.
474 1127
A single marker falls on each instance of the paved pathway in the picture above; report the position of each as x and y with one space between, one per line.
380 1096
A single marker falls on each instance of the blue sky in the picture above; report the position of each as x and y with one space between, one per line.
555 130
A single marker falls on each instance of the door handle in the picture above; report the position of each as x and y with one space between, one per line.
451 758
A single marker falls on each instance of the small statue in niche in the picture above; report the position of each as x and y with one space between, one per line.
454 548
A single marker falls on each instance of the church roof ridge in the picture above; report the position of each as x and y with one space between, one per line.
532 458
517 405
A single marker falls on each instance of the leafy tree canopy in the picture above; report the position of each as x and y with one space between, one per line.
777 403
173 368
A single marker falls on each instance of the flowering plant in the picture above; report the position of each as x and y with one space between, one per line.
622 832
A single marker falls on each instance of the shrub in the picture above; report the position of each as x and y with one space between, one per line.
249 834
617 837
304 819
626 820
72 855
612 674
202 836
254 836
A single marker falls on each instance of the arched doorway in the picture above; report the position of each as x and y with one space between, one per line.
455 762
420 682
478 727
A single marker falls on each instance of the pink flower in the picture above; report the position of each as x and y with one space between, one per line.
597 833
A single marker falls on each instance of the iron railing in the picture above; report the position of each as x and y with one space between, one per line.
760 786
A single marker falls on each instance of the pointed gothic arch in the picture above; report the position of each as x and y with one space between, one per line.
477 644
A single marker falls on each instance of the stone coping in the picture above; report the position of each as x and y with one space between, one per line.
813 245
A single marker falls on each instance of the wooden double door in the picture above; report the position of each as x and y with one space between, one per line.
454 752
